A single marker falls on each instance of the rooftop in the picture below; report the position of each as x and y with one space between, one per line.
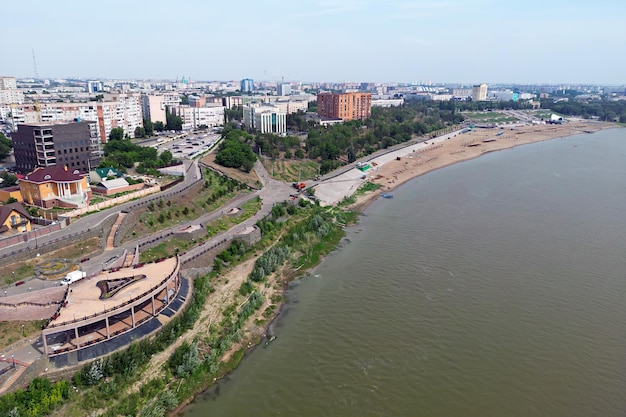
53 174
84 299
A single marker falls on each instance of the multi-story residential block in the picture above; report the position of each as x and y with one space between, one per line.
198 101
13 96
56 186
247 85
479 92
265 118
194 117
462 93
346 106
8 83
232 101
154 105
291 106
75 145
119 110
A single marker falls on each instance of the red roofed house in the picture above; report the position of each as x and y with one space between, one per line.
56 186
14 219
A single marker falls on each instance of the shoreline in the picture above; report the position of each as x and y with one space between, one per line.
363 201
393 174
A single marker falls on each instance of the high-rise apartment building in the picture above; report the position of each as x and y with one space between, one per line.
119 110
479 92
346 106
247 85
75 145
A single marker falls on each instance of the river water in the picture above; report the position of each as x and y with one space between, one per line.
494 287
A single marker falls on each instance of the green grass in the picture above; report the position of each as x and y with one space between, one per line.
291 170
489 117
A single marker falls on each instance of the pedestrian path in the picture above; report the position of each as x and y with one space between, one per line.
111 238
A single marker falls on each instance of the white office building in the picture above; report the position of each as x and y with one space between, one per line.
265 118
283 89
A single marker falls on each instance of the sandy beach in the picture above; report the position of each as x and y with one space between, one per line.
395 168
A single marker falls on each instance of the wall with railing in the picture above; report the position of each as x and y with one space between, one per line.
113 201
86 320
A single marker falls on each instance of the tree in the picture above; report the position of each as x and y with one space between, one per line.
5 146
8 179
234 113
158 126
140 132
173 122
117 133
166 157
148 126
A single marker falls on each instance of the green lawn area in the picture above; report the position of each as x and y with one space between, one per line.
489 117
203 198
174 245
291 170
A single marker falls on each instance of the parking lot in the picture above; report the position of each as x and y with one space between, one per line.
189 146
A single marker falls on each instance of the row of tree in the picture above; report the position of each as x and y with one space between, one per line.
605 110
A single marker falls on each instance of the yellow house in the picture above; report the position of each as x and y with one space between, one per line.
14 219
56 186
10 192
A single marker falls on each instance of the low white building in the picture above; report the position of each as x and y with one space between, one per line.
387 102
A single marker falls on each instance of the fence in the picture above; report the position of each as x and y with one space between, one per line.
33 234
113 202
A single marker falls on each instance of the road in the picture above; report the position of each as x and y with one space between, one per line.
94 220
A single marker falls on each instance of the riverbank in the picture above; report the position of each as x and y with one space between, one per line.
412 162
389 176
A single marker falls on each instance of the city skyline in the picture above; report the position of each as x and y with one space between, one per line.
449 41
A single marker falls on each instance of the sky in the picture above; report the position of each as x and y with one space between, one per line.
437 41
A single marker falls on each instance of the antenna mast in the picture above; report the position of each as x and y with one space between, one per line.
35 65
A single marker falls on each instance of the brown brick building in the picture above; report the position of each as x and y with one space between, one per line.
346 106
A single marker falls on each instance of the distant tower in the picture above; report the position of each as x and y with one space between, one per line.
247 85
35 65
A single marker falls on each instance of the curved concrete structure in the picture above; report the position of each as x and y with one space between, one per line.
84 320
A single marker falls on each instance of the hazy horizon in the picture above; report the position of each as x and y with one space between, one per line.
448 41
